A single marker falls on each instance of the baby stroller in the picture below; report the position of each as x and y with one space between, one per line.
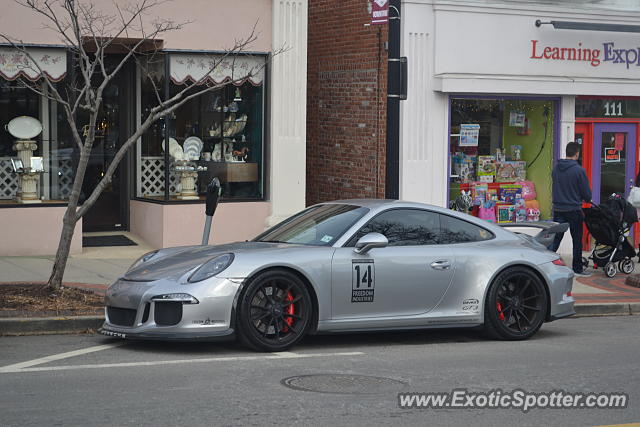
608 223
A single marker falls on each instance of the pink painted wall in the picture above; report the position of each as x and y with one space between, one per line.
213 24
145 220
34 231
182 224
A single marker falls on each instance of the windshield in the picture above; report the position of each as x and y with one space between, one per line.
319 225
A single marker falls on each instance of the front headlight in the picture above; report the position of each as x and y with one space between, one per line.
144 258
211 268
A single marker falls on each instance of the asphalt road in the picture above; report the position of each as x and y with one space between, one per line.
90 380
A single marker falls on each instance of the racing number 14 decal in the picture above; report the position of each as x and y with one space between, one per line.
363 280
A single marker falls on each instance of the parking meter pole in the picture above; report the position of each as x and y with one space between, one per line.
213 193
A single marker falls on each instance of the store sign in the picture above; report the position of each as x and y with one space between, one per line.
594 55
33 64
611 155
379 12
536 61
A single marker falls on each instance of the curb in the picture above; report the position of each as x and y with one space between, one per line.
607 309
76 324
49 325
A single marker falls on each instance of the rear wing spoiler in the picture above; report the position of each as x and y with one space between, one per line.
547 233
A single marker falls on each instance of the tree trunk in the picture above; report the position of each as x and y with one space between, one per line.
64 246
70 216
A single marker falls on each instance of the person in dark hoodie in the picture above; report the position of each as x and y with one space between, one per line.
570 189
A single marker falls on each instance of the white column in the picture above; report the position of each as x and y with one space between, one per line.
288 107
45 182
567 122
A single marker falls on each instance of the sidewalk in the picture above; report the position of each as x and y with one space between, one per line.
96 268
96 265
600 295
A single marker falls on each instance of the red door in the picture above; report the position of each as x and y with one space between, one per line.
584 137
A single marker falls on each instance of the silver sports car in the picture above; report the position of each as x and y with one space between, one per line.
351 265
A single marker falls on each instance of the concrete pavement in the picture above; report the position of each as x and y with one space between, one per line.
91 380
95 265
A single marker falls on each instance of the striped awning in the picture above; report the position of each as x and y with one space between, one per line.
36 63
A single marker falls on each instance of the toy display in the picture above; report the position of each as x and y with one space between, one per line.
528 189
506 213
487 211
511 171
486 168
533 214
520 210
510 192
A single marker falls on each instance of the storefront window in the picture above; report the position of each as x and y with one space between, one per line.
217 134
15 101
150 159
501 157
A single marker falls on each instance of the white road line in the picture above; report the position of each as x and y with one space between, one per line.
271 356
18 366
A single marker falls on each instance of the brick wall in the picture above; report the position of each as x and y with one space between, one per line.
346 102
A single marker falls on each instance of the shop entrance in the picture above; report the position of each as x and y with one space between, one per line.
614 153
111 210
609 152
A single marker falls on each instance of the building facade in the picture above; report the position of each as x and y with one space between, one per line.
346 103
249 133
494 91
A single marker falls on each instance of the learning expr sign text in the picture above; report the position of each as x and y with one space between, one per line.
594 56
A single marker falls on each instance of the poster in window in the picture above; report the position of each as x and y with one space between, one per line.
469 134
619 141
611 155
516 119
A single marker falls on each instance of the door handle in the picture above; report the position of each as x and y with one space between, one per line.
441 265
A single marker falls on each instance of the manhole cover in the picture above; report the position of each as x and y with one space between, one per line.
343 384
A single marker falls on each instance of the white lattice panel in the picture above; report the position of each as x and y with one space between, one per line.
152 177
65 178
8 179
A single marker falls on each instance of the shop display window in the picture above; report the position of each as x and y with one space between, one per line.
501 157
47 168
217 134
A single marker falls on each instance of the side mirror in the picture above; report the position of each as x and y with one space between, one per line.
370 241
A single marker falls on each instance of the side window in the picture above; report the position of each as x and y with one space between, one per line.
403 227
454 230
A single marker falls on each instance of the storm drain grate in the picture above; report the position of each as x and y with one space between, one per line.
343 384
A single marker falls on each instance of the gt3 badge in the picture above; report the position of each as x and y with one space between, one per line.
363 280
471 305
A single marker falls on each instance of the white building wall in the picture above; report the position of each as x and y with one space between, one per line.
287 165
423 115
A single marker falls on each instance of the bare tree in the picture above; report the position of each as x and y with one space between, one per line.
89 33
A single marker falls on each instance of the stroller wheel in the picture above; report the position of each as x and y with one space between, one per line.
585 262
610 269
626 266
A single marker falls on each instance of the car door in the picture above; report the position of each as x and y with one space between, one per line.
407 277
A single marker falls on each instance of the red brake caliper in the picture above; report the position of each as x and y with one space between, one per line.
289 310
500 313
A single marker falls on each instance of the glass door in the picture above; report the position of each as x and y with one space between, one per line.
614 153
110 212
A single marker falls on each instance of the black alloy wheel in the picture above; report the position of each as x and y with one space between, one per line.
275 311
516 305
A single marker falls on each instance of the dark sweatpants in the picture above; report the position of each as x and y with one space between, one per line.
575 219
